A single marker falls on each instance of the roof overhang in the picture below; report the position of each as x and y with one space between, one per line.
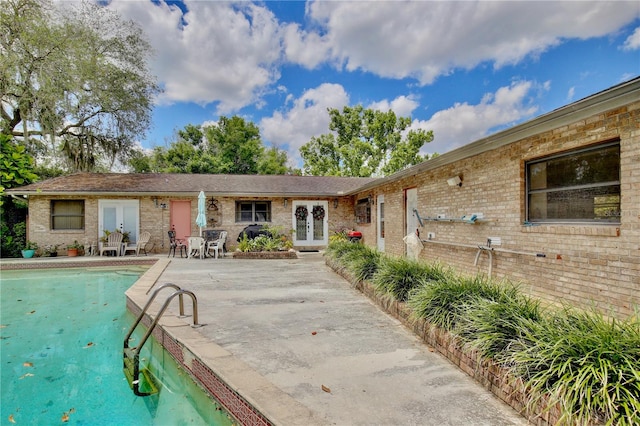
615 97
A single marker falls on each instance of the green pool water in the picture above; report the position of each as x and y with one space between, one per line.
61 335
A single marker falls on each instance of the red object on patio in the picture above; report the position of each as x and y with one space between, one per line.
354 236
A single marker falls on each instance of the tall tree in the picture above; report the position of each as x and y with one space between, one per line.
364 143
236 143
76 73
231 146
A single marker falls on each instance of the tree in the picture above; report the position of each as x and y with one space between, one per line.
364 143
231 146
76 74
16 166
236 143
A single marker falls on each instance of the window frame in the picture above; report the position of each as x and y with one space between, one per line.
254 211
53 215
363 211
566 188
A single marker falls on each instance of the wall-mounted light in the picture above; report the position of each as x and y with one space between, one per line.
370 199
335 203
163 205
454 181
285 202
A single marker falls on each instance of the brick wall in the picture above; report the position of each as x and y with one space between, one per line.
156 220
584 264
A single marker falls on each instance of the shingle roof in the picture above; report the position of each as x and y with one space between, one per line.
183 184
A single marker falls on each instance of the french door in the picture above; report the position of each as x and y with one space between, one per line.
310 223
119 215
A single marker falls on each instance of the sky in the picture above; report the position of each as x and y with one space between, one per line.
462 69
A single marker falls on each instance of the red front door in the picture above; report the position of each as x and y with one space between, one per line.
180 218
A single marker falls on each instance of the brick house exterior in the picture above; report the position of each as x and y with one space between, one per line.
586 261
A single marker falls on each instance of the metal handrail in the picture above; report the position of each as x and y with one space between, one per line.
144 310
134 352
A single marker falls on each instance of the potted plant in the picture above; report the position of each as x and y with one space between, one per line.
74 249
29 249
50 250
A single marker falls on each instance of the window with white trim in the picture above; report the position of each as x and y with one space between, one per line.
253 211
67 214
577 186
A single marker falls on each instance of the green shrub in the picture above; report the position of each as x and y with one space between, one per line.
363 264
442 301
337 249
398 276
491 324
587 363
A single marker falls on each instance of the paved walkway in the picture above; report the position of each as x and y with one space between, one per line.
301 327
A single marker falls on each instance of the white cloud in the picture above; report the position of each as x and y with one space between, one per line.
463 123
571 93
216 52
633 41
426 39
308 49
306 117
402 106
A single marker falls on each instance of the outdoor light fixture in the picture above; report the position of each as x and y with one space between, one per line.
285 202
454 181
335 203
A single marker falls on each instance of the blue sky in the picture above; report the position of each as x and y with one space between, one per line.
463 69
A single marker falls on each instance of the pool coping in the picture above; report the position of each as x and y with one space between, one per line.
245 394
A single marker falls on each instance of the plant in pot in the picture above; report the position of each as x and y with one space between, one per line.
29 249
50 250
74 249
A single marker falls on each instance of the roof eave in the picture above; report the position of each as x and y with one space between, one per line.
609 99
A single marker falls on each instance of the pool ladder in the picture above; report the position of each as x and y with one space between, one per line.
131 356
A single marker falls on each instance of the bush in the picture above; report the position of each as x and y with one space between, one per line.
588 364
364 263
335 250
442 302
13 240
274 240
398 276
492 324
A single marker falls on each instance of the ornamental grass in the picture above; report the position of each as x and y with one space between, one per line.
581 362
586 363
399 276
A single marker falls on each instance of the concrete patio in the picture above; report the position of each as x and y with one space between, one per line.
307 348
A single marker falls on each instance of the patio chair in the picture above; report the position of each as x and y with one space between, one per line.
176 243
113 243
217 245
196 247
140 245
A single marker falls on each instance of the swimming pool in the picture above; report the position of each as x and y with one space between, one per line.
61 333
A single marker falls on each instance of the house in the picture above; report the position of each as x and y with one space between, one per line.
552 203
82 206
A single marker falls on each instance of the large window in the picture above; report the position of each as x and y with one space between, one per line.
67 214
253 211
578 186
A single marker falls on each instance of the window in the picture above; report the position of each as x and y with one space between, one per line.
253 211
578 186
67 214
363 211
